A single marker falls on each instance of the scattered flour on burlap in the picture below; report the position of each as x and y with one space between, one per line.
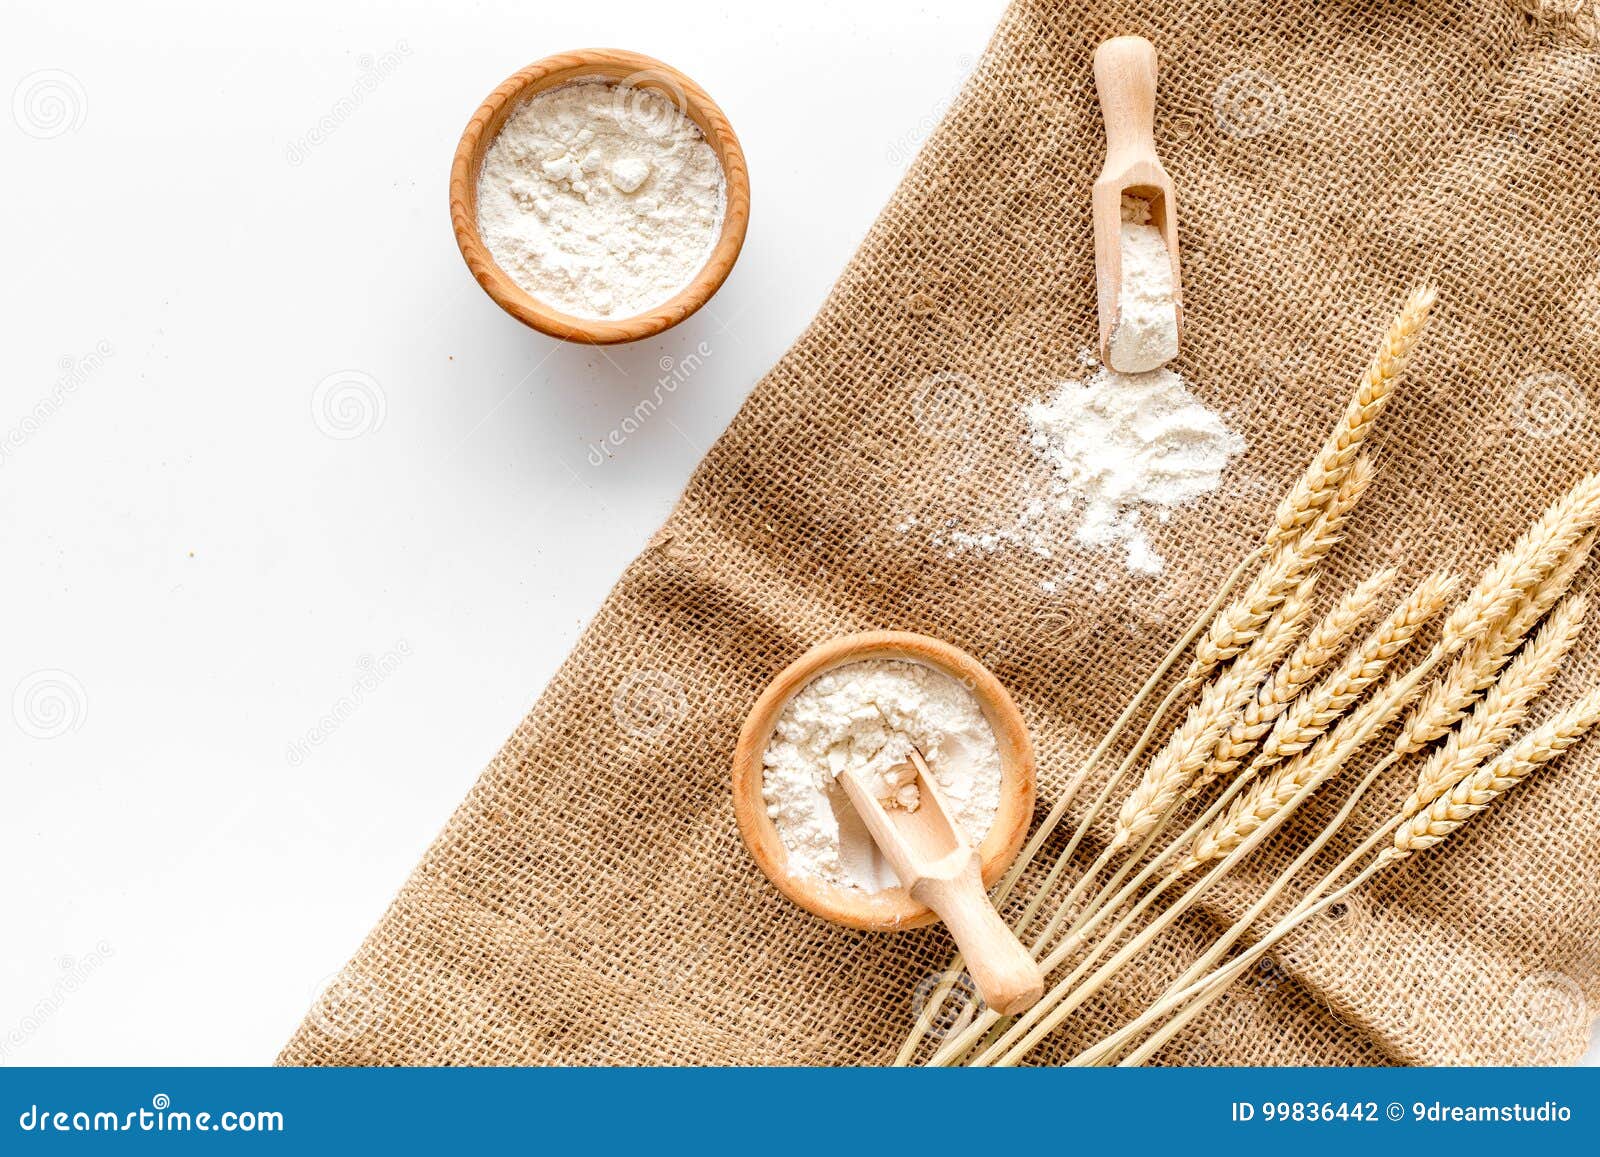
867 716
1111 451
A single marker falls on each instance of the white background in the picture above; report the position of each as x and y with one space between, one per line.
211 212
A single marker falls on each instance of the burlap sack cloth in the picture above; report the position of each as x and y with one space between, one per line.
591 901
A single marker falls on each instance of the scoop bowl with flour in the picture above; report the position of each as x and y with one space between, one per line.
863 701
599 196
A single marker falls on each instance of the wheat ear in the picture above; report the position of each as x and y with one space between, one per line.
1315 710
1313 767
1190 747
1235 626
1504 709
1319 648
1530 560
1316 488
1476 668
1445 815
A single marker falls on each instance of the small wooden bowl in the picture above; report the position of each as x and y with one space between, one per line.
611 64
891 909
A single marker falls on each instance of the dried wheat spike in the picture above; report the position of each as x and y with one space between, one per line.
1446 814
1236 624
1190 746
1321 481
1475 669
1311 714
1542 549
1503 709
1305 773
1319 648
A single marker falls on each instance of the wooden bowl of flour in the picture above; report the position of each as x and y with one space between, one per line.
891 909
618 67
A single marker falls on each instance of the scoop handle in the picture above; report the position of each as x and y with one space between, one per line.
1125 78
1006 976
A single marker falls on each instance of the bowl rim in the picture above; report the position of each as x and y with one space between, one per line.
892 909
613 64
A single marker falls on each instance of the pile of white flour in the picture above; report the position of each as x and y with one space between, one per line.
1146 335
868 715
601 200
1111 451
1118 444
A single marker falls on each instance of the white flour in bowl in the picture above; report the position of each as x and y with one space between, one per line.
868 715
601 200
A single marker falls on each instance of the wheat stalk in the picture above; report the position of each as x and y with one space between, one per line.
1306 772
1319 648
1311 516
1480 664
1445 815
1321 481
1519 570
1311 714
1406 836
1236 626
1191 745
1503 709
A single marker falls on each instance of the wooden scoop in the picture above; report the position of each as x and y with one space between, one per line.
1125 77
939 868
